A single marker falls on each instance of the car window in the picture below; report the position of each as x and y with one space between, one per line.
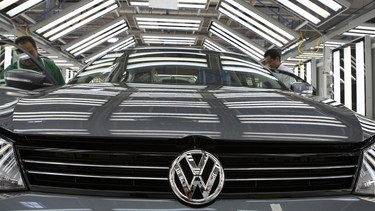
179 68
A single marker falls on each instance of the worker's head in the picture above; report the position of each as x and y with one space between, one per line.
28 43
272 58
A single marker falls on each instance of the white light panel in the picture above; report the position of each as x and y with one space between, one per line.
362 30
73 17
360 76
22 7
122 44
211 45
192 4
162 39
96 37
237 40
7 3
316 12
257 22
168 22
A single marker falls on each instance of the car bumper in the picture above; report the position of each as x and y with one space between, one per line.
56 202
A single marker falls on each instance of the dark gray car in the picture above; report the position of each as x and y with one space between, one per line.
181 129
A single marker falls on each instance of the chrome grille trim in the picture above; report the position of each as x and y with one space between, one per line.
290 178
96 176
95 165
289 168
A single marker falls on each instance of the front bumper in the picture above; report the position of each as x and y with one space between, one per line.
56 202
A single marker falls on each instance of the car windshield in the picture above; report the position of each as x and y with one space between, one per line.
180 68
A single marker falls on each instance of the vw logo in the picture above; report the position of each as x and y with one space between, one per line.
196 177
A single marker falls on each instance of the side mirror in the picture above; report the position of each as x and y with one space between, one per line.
302 88
25 79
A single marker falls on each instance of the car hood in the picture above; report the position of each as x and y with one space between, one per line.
166 111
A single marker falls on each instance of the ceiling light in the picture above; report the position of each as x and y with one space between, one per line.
170 23
5 4
73 17
197 4
119 45
237 40
362 30
96 37
23 7
169 39
211 45
257 22
313 11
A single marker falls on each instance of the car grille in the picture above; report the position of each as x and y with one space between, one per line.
142 166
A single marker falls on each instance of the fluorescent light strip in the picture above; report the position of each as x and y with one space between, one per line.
360 77
80 18
169 27
99 40
23 7
272 28
144 23
125 45
167 20
315 8
95 35
331 4
239 38
6 3
236 41
170 42
213 45
300 11
83 22
362 31
66 17
168 37
336 76
348 77
366 27
357 34
308 72
269 38
197 4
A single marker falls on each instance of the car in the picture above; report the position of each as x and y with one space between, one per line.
179 129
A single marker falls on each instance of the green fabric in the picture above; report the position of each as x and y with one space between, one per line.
48 64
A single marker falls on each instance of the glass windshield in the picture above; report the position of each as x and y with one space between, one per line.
179 68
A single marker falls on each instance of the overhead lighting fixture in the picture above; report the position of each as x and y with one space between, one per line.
163 39
257 22
362 30
96 37
316 12
23 7
211 45
7 3
73 17
237 40
118 46
192 4
168 22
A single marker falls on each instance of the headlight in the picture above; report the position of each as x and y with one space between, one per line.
366 180
10 175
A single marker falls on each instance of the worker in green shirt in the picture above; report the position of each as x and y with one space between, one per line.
28 43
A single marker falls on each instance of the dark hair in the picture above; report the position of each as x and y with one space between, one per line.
273 53
24 39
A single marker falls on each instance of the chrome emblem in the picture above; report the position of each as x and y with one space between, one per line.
196 168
